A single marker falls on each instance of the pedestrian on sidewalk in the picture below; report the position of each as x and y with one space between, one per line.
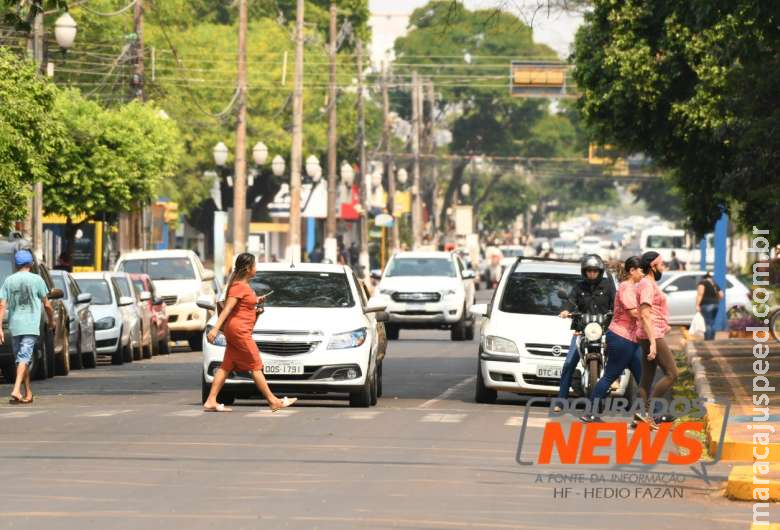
654 325
708 296
622 344
24 294
238 318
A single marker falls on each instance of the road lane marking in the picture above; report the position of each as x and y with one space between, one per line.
361 415
516 421
104 413
187 413
21 413
269 414
443 418
447 393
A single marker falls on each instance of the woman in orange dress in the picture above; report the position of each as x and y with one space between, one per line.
241 354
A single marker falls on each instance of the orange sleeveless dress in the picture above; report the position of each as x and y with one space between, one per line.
241 353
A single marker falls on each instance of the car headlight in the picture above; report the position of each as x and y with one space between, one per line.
593 331
499 345
350 339
386 292
220 340
105 323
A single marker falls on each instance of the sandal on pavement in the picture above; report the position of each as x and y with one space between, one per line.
219 408
286 402
28 401
13 400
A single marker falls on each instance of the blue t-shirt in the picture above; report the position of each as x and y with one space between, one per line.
23 293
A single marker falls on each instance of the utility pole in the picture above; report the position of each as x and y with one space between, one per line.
390 169
35 223
239 178
138 87
365 178
294 245
416 204
330 224
431 96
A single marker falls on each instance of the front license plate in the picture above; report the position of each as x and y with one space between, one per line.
548 371
282 367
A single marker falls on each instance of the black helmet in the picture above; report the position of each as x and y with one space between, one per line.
592 262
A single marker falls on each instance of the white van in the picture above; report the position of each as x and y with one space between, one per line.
665 241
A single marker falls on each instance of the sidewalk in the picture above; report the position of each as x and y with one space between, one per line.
723 372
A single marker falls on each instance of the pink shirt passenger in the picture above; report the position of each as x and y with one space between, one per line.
649 293
623 323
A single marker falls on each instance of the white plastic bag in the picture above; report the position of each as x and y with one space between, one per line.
698 326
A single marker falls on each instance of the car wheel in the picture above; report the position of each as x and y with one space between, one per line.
374 388
484 394
9 374
40 364
76 360
90 358
146 351
469 332
165 344
196 341
118 357
458 331
392 331
362 398
379 389
127 351
51 358
155 344
138 352
63 361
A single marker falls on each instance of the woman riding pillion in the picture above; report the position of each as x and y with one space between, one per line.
622 343
238 317
595 294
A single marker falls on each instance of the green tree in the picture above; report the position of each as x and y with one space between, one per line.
694 85
29 136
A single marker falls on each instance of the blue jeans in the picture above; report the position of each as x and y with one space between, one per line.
709 312
622 354
569 365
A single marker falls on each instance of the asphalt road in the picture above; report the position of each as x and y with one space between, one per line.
128 447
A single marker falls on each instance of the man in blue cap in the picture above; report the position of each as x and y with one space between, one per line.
24 294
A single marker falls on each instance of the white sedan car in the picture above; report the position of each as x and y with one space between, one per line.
317 335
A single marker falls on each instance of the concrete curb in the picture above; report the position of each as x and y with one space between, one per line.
740 485
700 381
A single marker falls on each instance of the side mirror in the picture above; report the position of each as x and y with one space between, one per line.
382 316
374 308
208 275
56 294
479 310
125 301
205 303
84 298
376 274
468 274
146 296
671 289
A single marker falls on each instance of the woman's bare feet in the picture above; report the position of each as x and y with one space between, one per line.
283 403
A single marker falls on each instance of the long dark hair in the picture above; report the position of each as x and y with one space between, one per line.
244 262
631 263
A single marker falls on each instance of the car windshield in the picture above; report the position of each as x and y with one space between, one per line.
421 267
303 289
512 252
101 295
665 241
536 293
161 269
564 243
59 283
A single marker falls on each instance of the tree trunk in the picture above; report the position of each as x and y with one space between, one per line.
454 185
478 202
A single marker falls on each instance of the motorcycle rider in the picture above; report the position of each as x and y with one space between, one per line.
595 293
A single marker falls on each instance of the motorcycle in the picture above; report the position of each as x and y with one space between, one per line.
592 347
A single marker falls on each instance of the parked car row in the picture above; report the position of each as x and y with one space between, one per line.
131 314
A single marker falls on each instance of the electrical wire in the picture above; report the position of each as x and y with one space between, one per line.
111 14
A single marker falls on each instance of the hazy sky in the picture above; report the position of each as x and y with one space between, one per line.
389 19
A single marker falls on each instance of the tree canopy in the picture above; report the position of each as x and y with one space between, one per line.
694 85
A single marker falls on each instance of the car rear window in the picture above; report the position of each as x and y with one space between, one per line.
59 283
421 267
97 288
161 268
536 293
304 289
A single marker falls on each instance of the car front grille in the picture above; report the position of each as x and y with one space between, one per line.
417 297
285 348
108 343
547 350
170 299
